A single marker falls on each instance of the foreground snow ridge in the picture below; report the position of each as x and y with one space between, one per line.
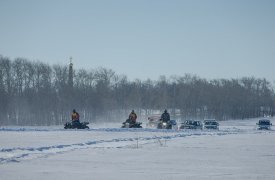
138 138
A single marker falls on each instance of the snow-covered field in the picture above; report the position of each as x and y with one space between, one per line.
237 151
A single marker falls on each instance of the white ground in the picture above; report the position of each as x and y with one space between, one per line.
236 151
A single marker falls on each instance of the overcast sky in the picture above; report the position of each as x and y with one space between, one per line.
145 38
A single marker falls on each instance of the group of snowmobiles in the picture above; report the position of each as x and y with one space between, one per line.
84 125
159 122
129 123
263 124
160 125
162 122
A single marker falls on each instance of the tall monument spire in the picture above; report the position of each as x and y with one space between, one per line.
70 80
71 60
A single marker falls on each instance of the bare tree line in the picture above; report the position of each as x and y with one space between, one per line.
35 93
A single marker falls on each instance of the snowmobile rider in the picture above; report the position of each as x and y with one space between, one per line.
165 117
133 117
75 117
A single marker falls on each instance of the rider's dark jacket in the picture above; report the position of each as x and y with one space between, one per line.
165 117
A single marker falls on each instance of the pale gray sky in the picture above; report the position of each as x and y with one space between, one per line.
145 38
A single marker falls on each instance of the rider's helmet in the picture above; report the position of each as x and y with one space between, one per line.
74 110
165 111
133 111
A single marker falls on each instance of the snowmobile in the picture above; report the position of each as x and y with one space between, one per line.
171 124
81 125
129 124
164 125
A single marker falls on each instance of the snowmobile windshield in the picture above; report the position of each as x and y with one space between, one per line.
264 122
211 123
189 122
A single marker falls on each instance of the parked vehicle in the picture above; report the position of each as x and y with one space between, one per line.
210 124
264 124
191 124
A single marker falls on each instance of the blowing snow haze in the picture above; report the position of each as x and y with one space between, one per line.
145 39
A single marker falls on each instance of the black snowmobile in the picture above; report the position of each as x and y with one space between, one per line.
80 125
164 125
129 124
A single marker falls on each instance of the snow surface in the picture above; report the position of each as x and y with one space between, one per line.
237 151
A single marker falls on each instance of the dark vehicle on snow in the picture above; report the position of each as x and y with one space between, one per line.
191 124
210 124
80 125
166 125
264 124
129 124
156 122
